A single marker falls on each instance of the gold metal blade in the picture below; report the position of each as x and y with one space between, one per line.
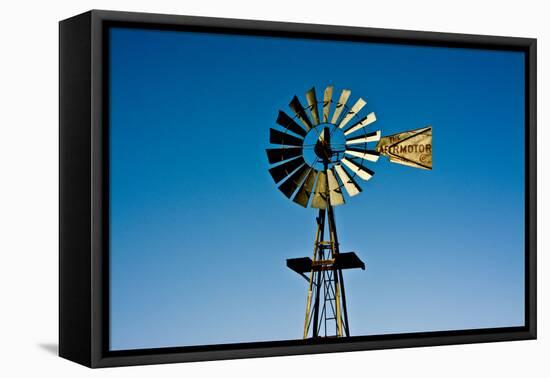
294 180
327 98
351 186
276 155
364 122
369 155
321 192
340 105
283 170
288 123
277 137
303 194
300 112
356 108
359 170
312 102
335 192
370 137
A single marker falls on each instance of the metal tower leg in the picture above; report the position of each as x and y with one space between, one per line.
314 280
338 272
326 299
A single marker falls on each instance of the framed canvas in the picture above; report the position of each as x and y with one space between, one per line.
234 188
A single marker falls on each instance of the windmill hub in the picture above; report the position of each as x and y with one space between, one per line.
324 143
323 150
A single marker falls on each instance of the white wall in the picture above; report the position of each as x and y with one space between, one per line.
28 187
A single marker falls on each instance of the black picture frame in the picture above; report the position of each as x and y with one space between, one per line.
83 195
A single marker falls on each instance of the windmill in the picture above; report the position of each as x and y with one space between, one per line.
318 154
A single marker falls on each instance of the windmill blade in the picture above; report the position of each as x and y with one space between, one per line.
303 194
369 155
288 123
356 108
276 155
340 105
364 122
359 170
351 186
277 137
327 99
319 200
294 180
312 102
370 137
283 170
300 112
335 193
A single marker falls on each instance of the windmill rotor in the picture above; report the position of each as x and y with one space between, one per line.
320 151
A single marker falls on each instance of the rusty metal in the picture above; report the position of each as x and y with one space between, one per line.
412 148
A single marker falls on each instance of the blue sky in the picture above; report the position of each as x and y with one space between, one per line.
200 233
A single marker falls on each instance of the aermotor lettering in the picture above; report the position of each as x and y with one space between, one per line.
403 149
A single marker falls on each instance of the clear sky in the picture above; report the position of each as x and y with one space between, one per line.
200 233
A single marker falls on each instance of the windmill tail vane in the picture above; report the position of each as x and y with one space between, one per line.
318 154
412 148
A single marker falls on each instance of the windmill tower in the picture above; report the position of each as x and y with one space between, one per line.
322 149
